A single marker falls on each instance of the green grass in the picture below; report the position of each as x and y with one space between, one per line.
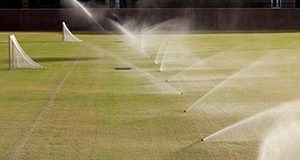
88 110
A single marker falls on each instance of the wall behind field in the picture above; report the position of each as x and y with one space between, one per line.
198 19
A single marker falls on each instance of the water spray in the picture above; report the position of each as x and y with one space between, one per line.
170 88
229 78
88 13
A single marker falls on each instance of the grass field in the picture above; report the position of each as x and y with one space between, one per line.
82 108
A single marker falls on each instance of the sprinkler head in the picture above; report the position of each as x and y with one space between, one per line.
185 111
202 140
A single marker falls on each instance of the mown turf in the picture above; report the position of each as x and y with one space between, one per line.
82 108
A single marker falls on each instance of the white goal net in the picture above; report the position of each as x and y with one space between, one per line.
18 59
67 35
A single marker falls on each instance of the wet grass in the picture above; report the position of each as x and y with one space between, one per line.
96 112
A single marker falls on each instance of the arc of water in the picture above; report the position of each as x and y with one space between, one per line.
164 56
134 39
175 49
136 42
286 109
91 16
160 51
234 125
156 26
131 37
88 13
149 30
285 147
230 77
204 61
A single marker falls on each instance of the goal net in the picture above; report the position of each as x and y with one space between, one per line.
18 59
67 35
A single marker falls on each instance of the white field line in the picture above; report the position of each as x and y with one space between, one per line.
230 77
17 152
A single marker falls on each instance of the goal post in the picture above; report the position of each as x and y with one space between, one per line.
18 59
67 35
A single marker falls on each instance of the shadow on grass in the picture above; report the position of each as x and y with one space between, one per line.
4 61
4 69
63 59
38 42
53 59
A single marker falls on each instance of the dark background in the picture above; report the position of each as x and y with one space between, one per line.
151 3
200 15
